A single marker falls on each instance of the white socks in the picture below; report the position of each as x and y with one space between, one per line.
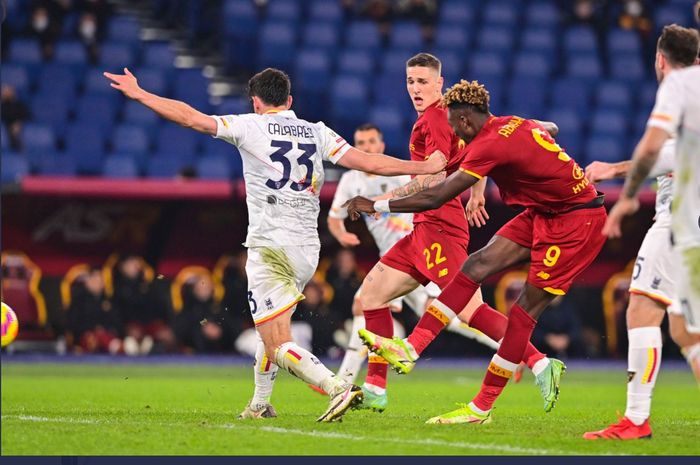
540 365
355 354
643 362
265 373
303 364
463 329
692 355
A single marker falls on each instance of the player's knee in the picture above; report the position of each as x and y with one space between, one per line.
643 312
476 267
357 307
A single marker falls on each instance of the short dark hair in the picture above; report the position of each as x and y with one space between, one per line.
271 85
680 45
369 127
425 60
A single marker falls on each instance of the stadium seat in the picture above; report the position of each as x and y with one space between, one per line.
135 113
348 104
4 138
570 94
70 52
321 36
496 39
584 66
276 45
240 27
153 80
312 71
580 39
526 97
452 37
213 146
86 143
607 149
38 138
456 12
539 40
130 139
58 79
390 89
485 64
355 62
120 167
532 64
14 167
628 67
158 55
670 14
323 11
542 14
16 76
60 109
452 63
613 95
124 29
25 51
283 10
609 123
190 83
234 106
623 41
99 109
393 62
114 56
165 167
406 35
567 119
212 166
176 142
391 122
363 34
55 164
500 14
646 97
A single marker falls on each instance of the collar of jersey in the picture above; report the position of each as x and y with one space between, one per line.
285 113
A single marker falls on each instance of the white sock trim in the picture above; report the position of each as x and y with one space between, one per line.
539 366
447 311
503 363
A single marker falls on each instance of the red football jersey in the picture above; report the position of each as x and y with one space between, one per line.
432 132
527 165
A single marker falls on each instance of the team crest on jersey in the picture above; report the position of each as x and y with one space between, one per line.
383 186
268 303
655 283
461 144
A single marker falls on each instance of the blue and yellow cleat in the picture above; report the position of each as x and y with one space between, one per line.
548 382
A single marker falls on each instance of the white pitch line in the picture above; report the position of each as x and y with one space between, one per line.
321 434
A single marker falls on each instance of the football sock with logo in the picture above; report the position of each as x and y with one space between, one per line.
493 323
378 321
265 372
643 361
692 355
454 297
303 364
355 353
506 360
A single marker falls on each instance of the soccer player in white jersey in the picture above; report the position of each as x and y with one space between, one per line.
386 230
665 275
283 171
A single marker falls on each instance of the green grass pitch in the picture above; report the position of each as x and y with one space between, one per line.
133 409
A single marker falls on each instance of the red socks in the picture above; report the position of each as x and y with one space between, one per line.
502 367
454 297
378 321
493 323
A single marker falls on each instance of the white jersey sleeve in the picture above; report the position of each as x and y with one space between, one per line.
664 164
332 146
231 128
668 107
343 193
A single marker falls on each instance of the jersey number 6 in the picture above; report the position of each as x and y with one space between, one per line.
279 156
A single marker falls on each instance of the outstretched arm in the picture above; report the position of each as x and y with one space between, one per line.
376 163
429 199
549 126
172 110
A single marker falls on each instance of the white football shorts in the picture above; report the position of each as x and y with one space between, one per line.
688 279
277 277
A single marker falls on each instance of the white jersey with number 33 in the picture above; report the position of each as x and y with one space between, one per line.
283 172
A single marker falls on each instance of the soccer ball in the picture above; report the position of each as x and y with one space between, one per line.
10 325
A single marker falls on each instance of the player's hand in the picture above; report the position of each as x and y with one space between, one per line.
624 207
436 162
348 239
127 83
476 210
600 171
357 206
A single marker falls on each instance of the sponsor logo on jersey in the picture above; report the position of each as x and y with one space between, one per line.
294 203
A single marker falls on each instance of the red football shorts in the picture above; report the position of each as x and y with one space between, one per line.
428 253
561 246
